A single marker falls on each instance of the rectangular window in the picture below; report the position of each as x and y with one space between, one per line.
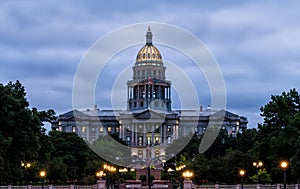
157 140
169 128
187 130
93 129
140 140
196 129
128 140
140 154
101 129
169 140
83 129
73 129
233 129
149 140
117 129
128 129
109 129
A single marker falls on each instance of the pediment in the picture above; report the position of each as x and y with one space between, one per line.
223 114
71 114
149 114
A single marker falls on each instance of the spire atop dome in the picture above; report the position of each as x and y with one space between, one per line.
149 37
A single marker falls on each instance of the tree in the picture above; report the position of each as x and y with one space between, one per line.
71 152
263 175
277 138
20 129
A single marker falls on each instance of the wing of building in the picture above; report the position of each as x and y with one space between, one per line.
149 120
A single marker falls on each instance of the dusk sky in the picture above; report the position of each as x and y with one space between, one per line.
255 43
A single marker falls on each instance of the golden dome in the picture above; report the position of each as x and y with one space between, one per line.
149 53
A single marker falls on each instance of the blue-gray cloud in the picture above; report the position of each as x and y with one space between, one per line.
256 44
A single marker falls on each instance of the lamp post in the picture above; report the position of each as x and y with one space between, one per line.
187 183
187 175
109 169
171 171
242 174
257 165
42 175
100 174
26 166
284 165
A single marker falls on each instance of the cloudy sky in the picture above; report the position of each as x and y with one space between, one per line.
255 43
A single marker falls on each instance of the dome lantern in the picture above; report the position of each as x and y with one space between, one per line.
149 37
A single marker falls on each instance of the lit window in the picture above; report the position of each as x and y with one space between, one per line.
140 154
149 140
169 129
140 140
101 129
169 140
128 140
117 129
233 129
157 152
203 129
83 129
109 129
156 139
93 129
73 129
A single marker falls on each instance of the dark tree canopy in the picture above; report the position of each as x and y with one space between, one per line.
20 131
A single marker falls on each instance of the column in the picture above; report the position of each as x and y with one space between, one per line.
177 131
161 134
152 135
136 133
144 135
128 92
165 132
120 132
132 134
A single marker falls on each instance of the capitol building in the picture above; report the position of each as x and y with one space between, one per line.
149 124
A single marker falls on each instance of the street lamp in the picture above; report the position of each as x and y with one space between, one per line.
108 177
100 174
242 174
284 165
187 174
26 166
42 175
257 165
